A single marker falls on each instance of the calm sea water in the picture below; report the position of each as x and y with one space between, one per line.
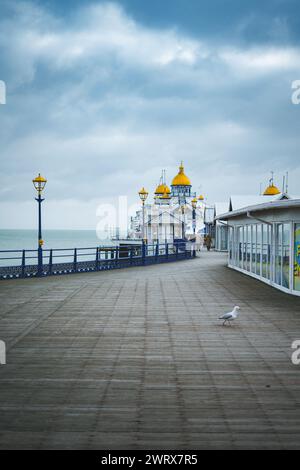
62 239
27 239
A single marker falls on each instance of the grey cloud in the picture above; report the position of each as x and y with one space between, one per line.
100 116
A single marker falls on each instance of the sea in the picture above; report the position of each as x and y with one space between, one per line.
28 240
53 239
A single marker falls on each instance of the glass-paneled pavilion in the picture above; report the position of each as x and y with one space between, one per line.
264 242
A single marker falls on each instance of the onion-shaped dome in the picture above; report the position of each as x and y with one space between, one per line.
161 189
166 194
271 190
201 197
181 179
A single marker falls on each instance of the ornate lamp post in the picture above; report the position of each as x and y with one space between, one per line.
39 183
182 207
143 196
194 205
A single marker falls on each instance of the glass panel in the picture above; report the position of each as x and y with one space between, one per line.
278 254
248 247
233 245
223 237
240 235
270 241
253 244
286 256
297 257
243 246
265 250
236 246
230 244
258 248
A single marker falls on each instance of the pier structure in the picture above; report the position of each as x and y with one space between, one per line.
137 359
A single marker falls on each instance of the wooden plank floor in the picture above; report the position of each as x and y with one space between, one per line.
137 359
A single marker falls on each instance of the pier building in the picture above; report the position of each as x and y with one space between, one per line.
264 242
175 213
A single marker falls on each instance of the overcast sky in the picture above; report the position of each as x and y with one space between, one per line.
102 95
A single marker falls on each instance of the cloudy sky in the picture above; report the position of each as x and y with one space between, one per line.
102 95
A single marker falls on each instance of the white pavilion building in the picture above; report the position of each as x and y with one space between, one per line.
175 213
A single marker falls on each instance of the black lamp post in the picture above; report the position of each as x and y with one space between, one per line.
39 183
194 205
182 207
143 196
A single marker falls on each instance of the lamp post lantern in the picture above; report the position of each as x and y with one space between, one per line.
39 183
143 196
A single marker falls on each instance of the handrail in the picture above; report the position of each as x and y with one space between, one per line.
71 260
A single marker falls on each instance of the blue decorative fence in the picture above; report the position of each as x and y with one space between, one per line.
24 263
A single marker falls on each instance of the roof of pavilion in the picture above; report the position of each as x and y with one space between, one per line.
270 205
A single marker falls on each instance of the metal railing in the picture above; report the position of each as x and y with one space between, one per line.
24 263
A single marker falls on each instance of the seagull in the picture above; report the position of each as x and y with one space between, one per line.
231 315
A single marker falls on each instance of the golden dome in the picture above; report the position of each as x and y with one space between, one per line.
161 189
271 190
201 197
181 179
167 193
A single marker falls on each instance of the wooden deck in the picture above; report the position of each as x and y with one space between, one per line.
137 359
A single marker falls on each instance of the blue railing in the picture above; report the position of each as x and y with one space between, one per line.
24 263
